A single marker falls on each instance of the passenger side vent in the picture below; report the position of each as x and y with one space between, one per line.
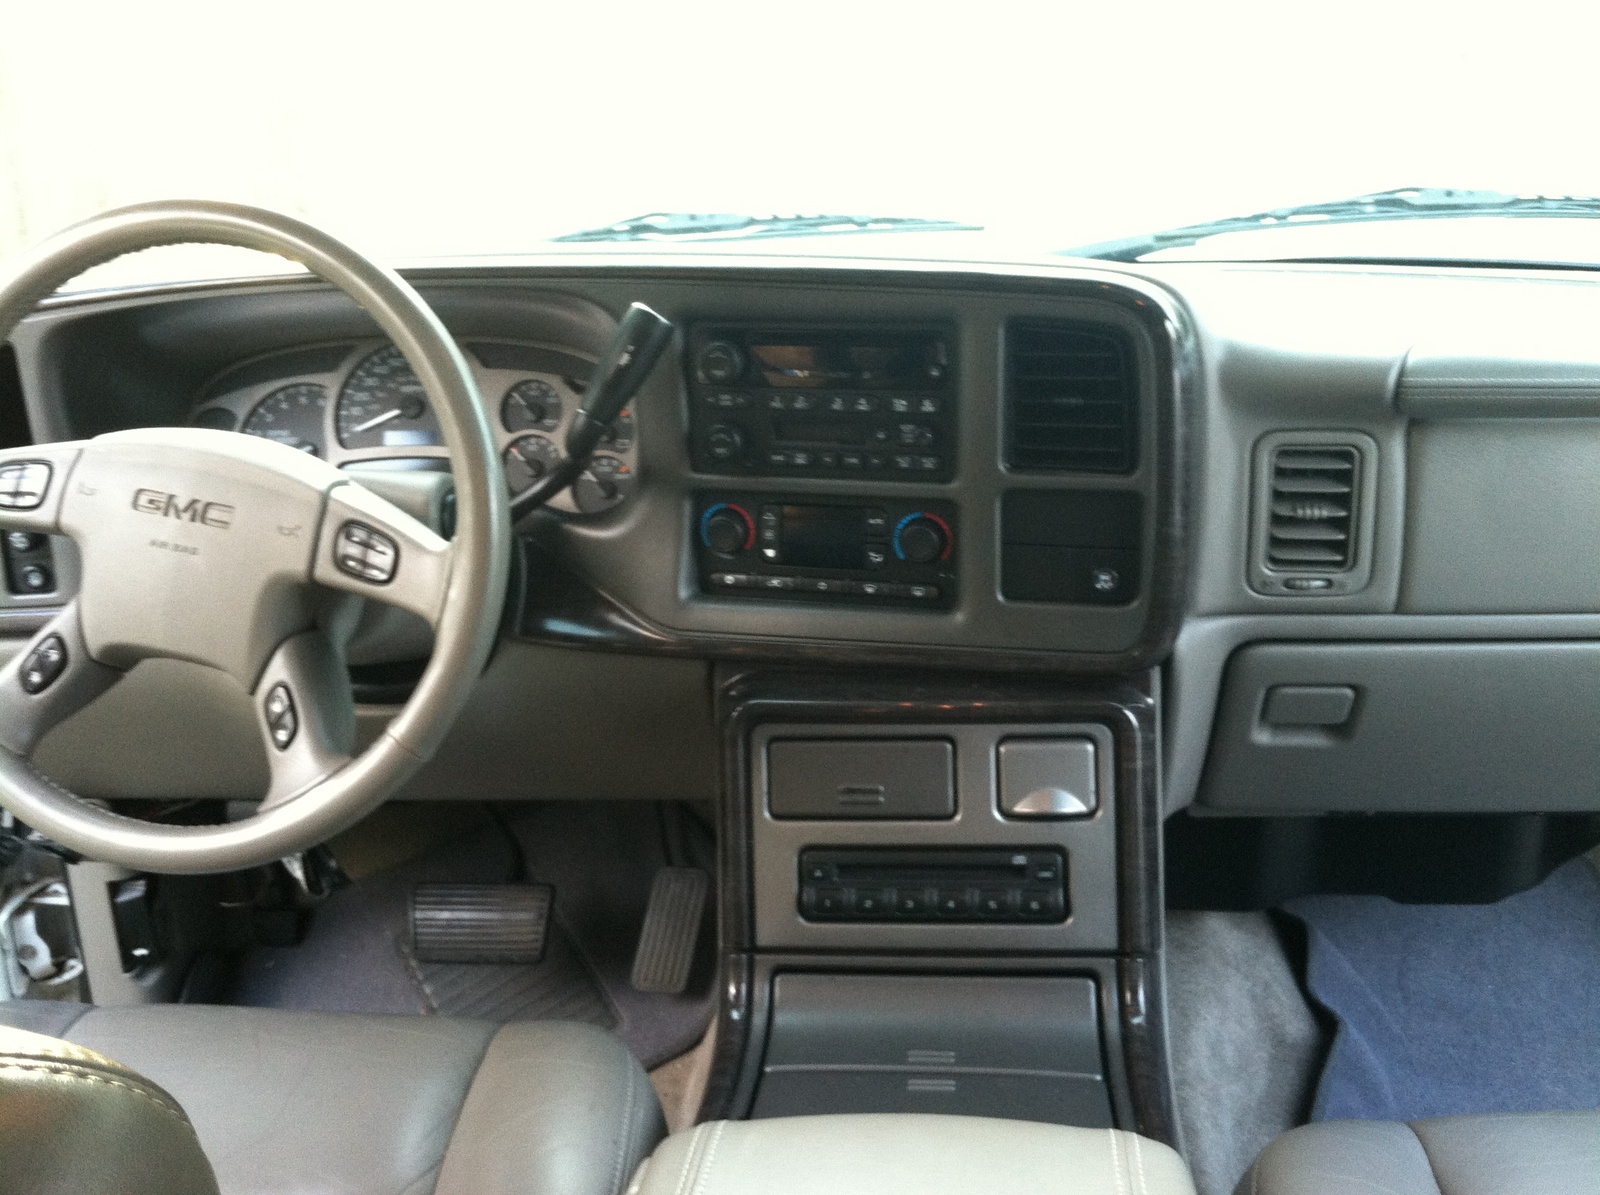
1313 508
1313 525
1071 399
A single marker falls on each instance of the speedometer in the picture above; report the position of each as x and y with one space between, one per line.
291 415
383 405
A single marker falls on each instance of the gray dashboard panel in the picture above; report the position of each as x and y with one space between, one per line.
1504 518
1436 727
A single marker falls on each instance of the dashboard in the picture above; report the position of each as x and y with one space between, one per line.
1291 498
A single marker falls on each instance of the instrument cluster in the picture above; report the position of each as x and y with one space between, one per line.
361 403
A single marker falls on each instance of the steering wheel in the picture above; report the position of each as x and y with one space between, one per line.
225 550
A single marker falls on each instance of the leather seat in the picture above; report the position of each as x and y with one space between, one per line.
286 1102
1532 1153
908 1154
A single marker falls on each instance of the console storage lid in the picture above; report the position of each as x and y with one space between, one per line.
908 1155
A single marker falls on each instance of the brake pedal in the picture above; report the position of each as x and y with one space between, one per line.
480 923
671 930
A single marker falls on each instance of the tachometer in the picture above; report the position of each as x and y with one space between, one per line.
291 415
383 405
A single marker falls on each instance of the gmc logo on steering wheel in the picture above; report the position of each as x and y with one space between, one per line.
195 510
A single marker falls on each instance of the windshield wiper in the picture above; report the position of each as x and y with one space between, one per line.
1406 203
689 226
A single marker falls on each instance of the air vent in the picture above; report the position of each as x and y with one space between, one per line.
1312 508
1071 399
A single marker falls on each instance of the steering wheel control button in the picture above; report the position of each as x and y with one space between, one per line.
43 665
283 722
23 485
366 554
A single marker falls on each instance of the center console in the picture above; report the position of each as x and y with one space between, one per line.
939 896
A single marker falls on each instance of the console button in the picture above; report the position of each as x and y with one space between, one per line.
724 443
824 585
873 902
43 665
1040 904
913 902
829 902
923 593
954 902
872 589
777 583
732 580
994 903
876 524
852 460
876 555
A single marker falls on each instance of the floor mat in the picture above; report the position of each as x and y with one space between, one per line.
601 858
1454 1009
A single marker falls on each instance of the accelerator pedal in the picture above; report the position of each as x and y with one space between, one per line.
480 923
671 930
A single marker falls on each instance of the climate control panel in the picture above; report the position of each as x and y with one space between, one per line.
860 551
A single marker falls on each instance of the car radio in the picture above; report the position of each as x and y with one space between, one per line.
864 551
851 402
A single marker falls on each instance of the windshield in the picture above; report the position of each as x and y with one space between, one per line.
491 128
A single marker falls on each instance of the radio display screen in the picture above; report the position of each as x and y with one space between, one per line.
822 537
890 363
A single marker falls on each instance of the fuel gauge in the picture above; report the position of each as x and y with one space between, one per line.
606 481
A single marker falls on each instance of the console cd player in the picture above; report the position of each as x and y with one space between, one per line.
841 402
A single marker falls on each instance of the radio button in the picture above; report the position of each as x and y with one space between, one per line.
777 459
803 402
954 902
721 362
914 903
928 406
829 902
851 460
800 460
864 404
994 903
877 460
905 462
900 406
872 902
828 460
777 402
724 443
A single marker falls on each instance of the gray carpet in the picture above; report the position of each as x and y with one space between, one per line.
1245 1048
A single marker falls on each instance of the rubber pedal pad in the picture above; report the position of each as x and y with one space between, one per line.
480 923
665 954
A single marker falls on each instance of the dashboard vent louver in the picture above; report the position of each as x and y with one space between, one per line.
1312 506
1071 398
